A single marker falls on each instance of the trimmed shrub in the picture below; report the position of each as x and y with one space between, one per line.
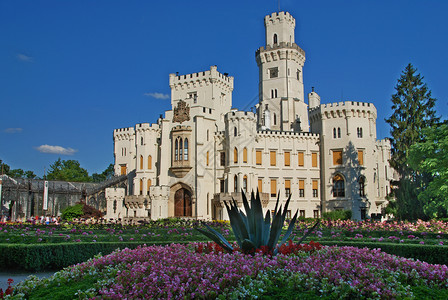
39 257
338 215
433 254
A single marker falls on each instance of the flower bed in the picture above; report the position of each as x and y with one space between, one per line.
178 271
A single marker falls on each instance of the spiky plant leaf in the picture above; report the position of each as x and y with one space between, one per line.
289 230
217 238
248 246
308 233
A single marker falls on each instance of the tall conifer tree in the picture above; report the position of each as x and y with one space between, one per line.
413 110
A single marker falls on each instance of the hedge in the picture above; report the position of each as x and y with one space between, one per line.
45 257
433 254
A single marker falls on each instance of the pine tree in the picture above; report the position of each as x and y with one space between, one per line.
413 110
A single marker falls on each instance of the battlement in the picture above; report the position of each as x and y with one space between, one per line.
281 45
384 143
279 17
146 126
124 130
236 114
213 75
287 133
347 106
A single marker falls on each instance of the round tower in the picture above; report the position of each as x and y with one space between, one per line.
280 65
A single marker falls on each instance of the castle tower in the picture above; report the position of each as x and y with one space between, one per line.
280 65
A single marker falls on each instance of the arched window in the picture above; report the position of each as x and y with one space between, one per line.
186 149
338 186
275 38
245 155
245 183
235 131
149 185
141 162
275 119
149 162
339 132
362 185
235 155
141 141
334 133
176 150
180 148
235 180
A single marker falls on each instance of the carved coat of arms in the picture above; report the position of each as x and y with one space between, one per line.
181 112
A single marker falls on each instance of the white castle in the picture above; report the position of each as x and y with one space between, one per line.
203 152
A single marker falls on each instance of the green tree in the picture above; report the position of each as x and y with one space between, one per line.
413 110
107 174
19 173
4 168
430 157
68 170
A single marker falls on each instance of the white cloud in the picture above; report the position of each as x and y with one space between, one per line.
13 130
56 150
23 57
157 95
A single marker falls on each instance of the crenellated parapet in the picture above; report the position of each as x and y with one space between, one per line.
288 135
235 116
280 51
124 133
343 110
279 17
147 127
201 79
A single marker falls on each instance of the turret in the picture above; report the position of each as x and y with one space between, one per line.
313 99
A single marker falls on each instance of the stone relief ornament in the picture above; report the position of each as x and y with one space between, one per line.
181 112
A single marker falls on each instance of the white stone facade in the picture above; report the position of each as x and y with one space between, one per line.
203 152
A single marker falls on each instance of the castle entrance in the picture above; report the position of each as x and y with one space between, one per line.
182 203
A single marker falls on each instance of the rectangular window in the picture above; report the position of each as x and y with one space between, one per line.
301 157
258 157
314 160
301 188
207 158
361 157
287 187
123 169
260 185
221 186
273 72
223 158
315 188
316 213
287 159
337 157
302 213
288 214
273 158
273 187
245 155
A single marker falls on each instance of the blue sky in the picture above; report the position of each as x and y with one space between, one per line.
73 71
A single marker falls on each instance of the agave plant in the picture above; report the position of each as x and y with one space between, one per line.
253 231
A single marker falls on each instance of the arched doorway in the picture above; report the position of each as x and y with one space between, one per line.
182 203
